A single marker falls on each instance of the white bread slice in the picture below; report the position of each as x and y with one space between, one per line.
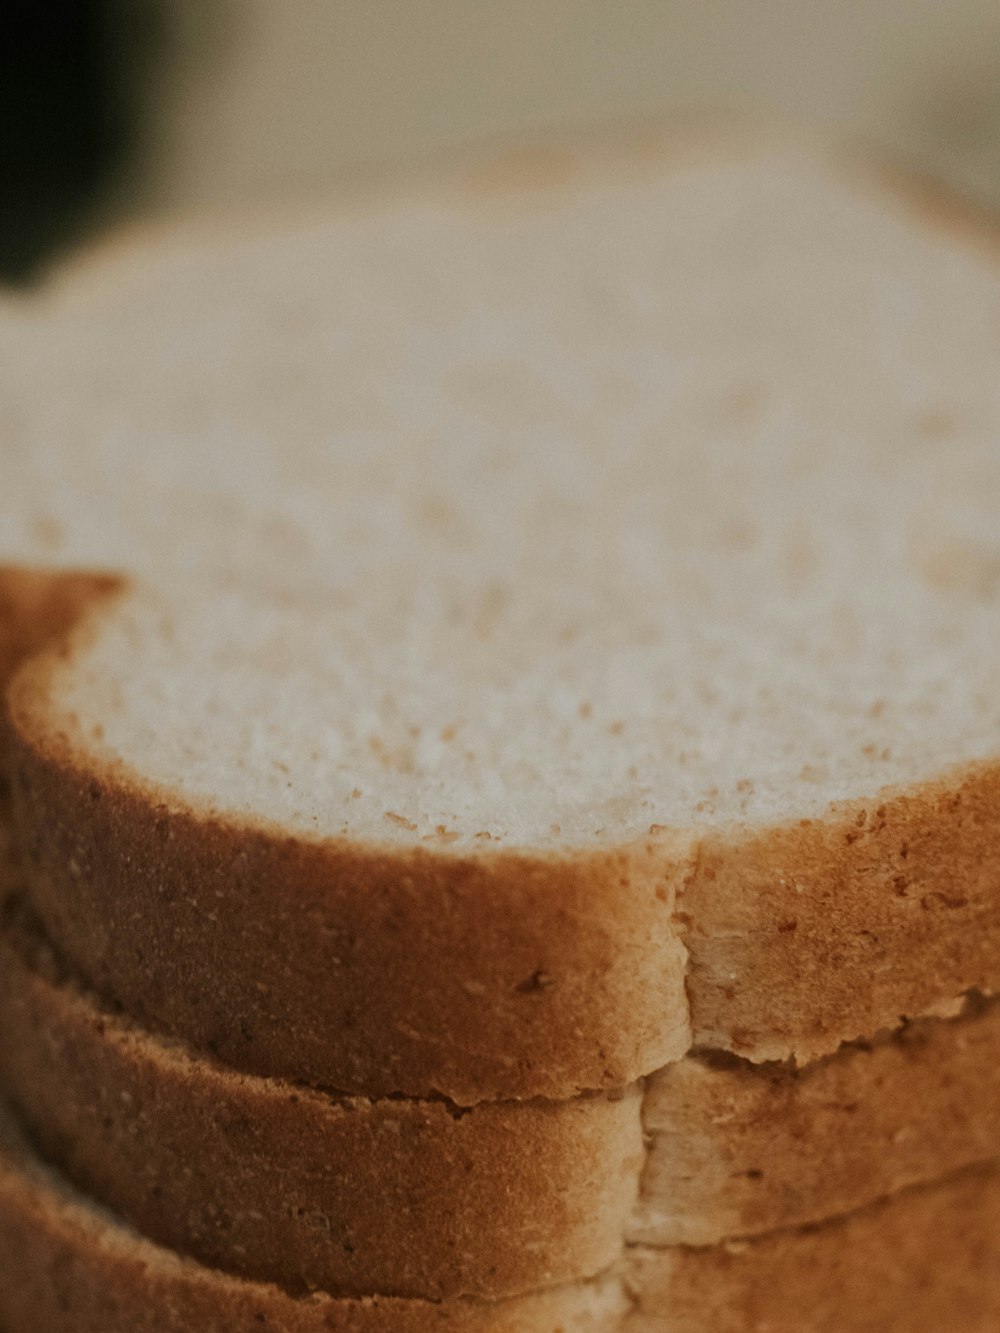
271 1181
71 1267
641 521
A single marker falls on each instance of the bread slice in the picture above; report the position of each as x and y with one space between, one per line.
635 679
271 1181
71 1267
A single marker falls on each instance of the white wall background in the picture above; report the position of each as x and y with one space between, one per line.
265 97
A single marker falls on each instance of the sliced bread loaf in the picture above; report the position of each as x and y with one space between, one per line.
641 530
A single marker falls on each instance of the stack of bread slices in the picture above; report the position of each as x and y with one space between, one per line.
502 828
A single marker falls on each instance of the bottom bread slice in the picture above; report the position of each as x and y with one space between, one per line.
925 1261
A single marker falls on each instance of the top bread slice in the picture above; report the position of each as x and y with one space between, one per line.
565 629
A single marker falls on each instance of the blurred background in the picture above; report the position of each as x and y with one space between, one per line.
117 109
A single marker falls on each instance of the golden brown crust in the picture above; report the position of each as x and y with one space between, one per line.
925 1261
38 606
399 1197
68 1268
738 1149
969 222
277 1183
806 935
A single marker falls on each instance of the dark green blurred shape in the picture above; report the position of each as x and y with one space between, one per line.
68 119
